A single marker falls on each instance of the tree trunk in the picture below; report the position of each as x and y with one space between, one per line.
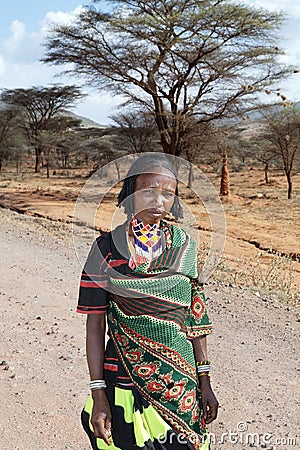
290 185
191 176
118 169
225 182
65 161
48 162
38 160
266 169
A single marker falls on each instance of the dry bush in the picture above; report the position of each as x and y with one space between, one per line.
275 276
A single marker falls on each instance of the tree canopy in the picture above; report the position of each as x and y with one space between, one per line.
177 58
37 106
283 133
8 121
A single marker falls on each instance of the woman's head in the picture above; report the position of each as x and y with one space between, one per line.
150 189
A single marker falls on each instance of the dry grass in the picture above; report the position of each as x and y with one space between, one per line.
276 278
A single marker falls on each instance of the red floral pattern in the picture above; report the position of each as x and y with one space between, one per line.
188 401
167 378
175 391
122 339
195 414
145 370
155 386
133 355
197 307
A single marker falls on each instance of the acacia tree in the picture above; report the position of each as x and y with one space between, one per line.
57 133
259 150
178 58
38 106
7 125
197 144
283 132
136 130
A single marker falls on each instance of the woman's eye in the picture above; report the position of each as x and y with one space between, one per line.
168 194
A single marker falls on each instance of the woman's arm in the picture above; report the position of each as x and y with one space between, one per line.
95 344
209 401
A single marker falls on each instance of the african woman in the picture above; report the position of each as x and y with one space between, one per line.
150 385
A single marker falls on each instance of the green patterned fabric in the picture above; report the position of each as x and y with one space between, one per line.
152 315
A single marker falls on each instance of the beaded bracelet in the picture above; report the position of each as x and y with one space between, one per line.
204 374
203 368
97 384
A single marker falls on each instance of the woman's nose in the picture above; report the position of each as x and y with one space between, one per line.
158 199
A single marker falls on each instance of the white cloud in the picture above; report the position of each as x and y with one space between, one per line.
21 47
21 52
289 39
290 7
18 30
60 17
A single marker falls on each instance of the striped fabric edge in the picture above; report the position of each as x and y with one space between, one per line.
194 331
93 281
111 367
93 284
144 307
91 309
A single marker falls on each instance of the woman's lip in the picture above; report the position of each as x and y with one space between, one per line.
155 212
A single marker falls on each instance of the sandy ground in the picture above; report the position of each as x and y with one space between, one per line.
43 374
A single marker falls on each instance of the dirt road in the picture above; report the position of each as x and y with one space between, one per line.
43 374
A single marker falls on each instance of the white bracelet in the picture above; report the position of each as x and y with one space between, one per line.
204 368
97 384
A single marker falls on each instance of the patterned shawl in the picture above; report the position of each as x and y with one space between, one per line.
151 315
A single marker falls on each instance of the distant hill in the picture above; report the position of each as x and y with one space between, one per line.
85 122
256 114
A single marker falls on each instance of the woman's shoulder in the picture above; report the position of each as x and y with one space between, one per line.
101 246
112 240
174 229
178 235
103 239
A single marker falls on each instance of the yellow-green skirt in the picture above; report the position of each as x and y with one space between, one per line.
136 425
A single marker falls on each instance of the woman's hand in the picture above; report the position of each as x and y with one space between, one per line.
95 338
209 402
101 416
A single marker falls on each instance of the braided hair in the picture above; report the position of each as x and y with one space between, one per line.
143 165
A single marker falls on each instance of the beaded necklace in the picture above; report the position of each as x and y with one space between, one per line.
147 240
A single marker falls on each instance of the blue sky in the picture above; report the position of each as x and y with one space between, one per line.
31 12
23 24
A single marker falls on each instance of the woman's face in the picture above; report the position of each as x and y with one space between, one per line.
154 194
